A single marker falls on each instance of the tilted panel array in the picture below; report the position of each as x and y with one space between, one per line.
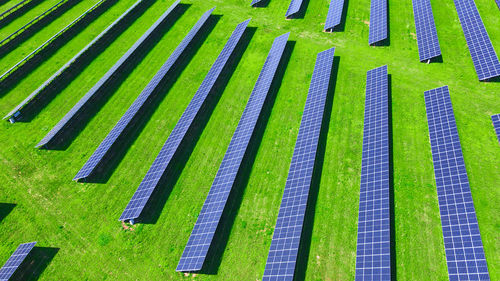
293 8
373 255
13 9
199 242
255 2
139 102
427 39
147 186
70 117
15 114
496 124
378 22
481 50
462 240
282 257
15 260
334 16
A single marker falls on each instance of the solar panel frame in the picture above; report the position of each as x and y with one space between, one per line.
153 176
65 122
15 260
282 257
495 119
427 38
293 8
201 237
483 54
378 22
373 250
462 239
97 157
334 16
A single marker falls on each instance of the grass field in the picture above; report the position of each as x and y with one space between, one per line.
81 220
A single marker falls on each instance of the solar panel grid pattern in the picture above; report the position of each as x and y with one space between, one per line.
462 240
378 21
160 164
66 120
282 257
15 260
496 124
65 66
293 8
334 15
254 2
427 39
481 50
122 124
203 232
373 242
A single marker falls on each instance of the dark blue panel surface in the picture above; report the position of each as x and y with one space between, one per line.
15 260
427 39
293 8
373 253
334 14
462 240
282 257
496 124
378 21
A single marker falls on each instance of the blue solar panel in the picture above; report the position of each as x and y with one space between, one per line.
481 50
156 171
126 119
498 3
378 21
15 260
284 248
462 240
373 255
72 115
334 14
293 8
15 114
255 2
496 124
427 39
203 232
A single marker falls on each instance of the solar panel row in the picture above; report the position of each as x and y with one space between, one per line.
14 8
255 3
462 240
481 50
378 22
201 238
15 260
427 39
496 124
119 128
282 257
334 14
147 186
16 113
373 255
72 115
293 8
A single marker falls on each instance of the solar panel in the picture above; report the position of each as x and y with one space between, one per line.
427 39
126 119
481 50
498 3
13 9
334 14
462 240
496 124
15 260
147 186
293 8
378 21
373 255
282 257
16 114
199 242
255 2
80 105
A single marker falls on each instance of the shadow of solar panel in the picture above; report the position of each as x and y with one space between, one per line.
15 114
73 113
282 257
496 124
201 237
293 8
14 11
143 193
427 39
462 240
98 155
334 14
373 255
378 22
481 50
15 260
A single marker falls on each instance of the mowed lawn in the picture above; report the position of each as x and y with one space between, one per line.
81 220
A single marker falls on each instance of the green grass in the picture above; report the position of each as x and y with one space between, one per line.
82 219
